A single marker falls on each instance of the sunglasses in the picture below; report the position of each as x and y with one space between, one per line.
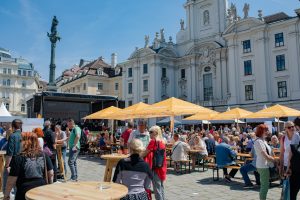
290 127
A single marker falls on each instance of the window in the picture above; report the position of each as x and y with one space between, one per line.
23 84
24 72
130 103
164 72
29 73
246 46
100 86
4 71
145 100
4 82
182 73
84 86
282 89
19 72
23 108
78 89
8 82
129 72
207 87
7 106
129 88
280 63
100 72
279 40
249 92
145 85
73 89
247 67
116 86
9 71
145 69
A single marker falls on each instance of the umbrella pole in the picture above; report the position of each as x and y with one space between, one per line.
112 126
278 125
172 124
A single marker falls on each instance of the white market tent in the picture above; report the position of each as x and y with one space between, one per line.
3 111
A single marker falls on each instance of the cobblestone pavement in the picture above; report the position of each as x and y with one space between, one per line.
196 185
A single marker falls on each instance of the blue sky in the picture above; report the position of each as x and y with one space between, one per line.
94 28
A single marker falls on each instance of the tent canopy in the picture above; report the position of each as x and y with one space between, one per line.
130 112
275 111
3 111
103 114
202 116
236 113
168 121
172 107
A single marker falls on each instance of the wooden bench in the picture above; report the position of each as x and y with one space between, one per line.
214 167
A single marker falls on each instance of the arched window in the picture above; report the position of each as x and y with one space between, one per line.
22 107
8 82
7 106
206 17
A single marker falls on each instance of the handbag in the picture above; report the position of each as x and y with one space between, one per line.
158 156
47 151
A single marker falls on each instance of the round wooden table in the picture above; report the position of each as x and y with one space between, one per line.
78 191
111 161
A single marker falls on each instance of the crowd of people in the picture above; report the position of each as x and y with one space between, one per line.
224 143
31 157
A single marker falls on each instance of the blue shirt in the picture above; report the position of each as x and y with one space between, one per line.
225 156
14 144
253 153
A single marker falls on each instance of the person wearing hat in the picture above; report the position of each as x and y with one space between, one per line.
291 137
141 133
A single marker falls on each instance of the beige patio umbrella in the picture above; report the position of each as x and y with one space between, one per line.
234 114
276 112
172 107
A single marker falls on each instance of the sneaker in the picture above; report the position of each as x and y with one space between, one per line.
227 178
251 186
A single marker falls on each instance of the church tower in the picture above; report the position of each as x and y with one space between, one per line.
204 19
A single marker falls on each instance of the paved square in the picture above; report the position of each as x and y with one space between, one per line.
196 185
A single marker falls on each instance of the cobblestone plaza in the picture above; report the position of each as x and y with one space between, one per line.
196 185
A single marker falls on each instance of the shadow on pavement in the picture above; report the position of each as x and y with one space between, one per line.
233 185
92 158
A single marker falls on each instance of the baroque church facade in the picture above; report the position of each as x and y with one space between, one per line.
219 59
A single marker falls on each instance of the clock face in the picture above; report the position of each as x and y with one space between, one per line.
207 69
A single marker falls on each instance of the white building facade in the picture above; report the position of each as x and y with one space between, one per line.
219 59
18 82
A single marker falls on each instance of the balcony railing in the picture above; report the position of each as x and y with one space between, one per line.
212 103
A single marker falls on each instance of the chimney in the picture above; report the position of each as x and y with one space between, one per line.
113 60
81 62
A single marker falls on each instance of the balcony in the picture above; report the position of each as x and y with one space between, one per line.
212 103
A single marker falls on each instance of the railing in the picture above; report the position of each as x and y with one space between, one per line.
212 103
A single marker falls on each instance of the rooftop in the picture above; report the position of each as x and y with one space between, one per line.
276 17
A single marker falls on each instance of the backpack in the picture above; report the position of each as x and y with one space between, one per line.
83 138
295 160
158 156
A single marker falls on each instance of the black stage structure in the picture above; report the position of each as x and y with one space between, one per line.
55 105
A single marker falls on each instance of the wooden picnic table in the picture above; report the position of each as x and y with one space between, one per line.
78 191
245 155
111 162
